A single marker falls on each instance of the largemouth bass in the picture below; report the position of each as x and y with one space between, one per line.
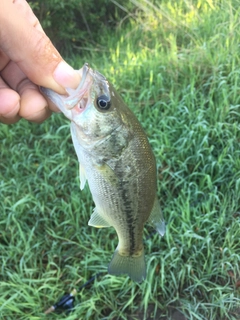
117 161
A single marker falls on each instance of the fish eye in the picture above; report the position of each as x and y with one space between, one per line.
103 102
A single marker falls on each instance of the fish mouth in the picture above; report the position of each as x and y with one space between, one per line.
78 97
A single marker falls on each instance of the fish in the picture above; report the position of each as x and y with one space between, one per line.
117 161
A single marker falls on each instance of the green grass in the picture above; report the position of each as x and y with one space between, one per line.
177 67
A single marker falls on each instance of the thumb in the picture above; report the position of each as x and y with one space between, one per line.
24 42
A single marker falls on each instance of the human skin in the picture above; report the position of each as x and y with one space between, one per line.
28 59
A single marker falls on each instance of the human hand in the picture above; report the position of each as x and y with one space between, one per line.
28 59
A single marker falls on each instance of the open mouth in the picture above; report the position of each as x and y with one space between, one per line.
78 98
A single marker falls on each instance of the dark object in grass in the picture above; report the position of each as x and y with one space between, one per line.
66 303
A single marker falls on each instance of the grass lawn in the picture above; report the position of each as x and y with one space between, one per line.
177 67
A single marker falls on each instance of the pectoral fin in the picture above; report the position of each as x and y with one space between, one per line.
78 150
156 218
83 177
107 173
98 221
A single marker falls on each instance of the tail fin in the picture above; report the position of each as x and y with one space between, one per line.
156 218
134 266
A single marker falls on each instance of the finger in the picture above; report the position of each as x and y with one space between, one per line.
4 59
9 104
26 11
33 107
33 51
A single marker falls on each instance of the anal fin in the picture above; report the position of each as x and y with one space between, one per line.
156 218
97 220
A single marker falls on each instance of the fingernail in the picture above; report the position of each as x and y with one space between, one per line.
66 76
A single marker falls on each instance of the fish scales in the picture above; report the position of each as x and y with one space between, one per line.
125 197
118 163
